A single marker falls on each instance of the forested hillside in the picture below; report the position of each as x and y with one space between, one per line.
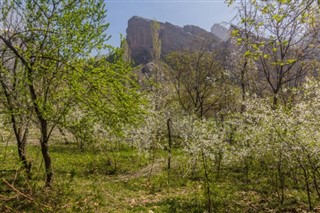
177 119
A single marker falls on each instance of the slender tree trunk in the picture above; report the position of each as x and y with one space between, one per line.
169 145
243 85
63 135
315 182
47 163
21 138
45 152
21 142
43 130
306 178
281 179
23 157
207 182
275 100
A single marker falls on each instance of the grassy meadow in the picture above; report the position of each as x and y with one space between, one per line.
119 178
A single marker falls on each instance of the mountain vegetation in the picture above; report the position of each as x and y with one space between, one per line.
196 123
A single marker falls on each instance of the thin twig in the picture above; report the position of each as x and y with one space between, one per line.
6 199
16 190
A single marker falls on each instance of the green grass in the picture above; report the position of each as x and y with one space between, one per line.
120 179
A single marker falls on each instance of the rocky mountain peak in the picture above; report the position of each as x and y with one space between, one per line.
172 37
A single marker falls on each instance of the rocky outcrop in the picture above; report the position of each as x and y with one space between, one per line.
172 38
220 31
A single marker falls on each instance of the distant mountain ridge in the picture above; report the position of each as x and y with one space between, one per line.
172 37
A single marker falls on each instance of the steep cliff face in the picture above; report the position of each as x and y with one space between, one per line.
172 37
139 39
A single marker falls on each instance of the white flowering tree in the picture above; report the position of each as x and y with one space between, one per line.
281 145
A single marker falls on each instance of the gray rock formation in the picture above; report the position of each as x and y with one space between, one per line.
220 31
172 37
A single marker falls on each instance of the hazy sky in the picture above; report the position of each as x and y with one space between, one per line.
203 13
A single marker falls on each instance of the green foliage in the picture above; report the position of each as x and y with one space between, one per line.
280 36
107 96
53 46
262 158
201 84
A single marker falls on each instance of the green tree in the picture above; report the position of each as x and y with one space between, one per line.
15 102
279 36
201 84
57 39
106 94
156 42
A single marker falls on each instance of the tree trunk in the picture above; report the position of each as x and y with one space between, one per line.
45 152
207 182
47 162
17 129
243 85
38 111
64 136
169 145
43 128
21 142
275 100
